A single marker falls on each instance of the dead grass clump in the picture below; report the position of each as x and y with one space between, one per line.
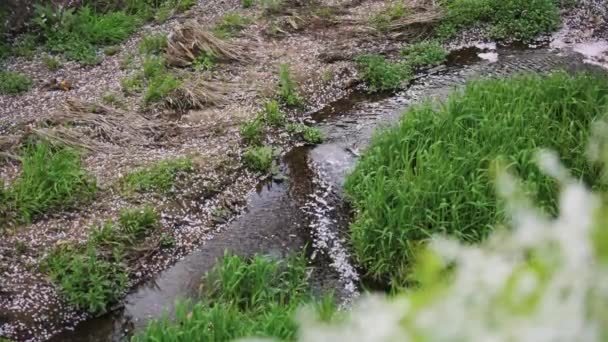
420 23
97 127
189 40
196 93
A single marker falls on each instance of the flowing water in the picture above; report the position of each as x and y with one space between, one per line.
306 210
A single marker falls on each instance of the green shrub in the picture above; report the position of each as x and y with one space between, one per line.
288 94
252 132
424 54
518 19
153 44
230 24
51 178
247 3
272 114
431 173
13 83
86 279
243 298
160 177
381 74
260 158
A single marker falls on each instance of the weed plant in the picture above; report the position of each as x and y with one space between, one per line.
288 93
431 174
52 178
260 158
252 132
160 177
13 83
516 19
243 298
381 74
311 135
272 114
424 54
93 276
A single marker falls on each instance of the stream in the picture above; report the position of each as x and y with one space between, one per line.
306 209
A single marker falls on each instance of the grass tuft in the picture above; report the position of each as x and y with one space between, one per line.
160 177
252 132
260 158
431 174
381 74
230 24
288 93
272 114
13 83
52 178
153 44
311 135
244 298
424 54
94 275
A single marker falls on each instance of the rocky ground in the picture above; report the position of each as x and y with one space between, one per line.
318 47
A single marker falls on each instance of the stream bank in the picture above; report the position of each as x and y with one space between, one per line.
307 209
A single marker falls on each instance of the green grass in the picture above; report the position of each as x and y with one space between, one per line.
380 74
244 298
230 24
431 174
204 61
136 222
87 280
260 158
252 132
272 114
247 3
517 19
424 54
52 63
51 179
13 83
160 87
94 275
160 177
133 84
311 135
392 11
288 93
152 44
79 33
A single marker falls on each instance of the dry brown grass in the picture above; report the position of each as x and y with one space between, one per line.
98 127
421 22
196 93
189 40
